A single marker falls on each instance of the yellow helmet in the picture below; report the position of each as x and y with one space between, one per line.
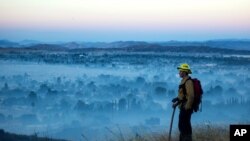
184 67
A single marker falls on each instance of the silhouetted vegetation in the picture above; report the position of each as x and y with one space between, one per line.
6 136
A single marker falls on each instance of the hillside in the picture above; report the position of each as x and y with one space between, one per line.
6 136
129 48
233 44
201 133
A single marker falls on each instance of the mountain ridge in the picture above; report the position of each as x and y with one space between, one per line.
235 44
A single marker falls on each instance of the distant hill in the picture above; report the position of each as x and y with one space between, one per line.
231 44
45 47
118 44
133 48
227 44
6 43
28 42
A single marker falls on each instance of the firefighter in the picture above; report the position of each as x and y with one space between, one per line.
184 101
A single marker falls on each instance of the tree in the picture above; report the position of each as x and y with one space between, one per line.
122 104
6 86
32 96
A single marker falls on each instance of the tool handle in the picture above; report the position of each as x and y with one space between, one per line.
171 124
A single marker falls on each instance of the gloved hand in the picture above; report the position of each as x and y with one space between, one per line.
175 100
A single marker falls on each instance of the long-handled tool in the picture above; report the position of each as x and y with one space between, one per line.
171 124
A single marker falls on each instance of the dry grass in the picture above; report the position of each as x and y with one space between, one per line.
200 133
211 133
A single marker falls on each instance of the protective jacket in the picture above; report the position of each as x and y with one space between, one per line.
186 100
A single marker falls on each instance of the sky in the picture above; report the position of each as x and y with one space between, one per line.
123 20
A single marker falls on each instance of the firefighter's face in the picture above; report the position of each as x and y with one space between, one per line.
182 74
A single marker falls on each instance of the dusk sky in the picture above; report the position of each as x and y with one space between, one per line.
113 20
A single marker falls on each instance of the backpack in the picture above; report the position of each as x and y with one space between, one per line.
197 93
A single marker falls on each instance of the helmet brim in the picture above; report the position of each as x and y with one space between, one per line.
186 70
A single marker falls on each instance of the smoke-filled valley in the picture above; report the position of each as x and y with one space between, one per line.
96 94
